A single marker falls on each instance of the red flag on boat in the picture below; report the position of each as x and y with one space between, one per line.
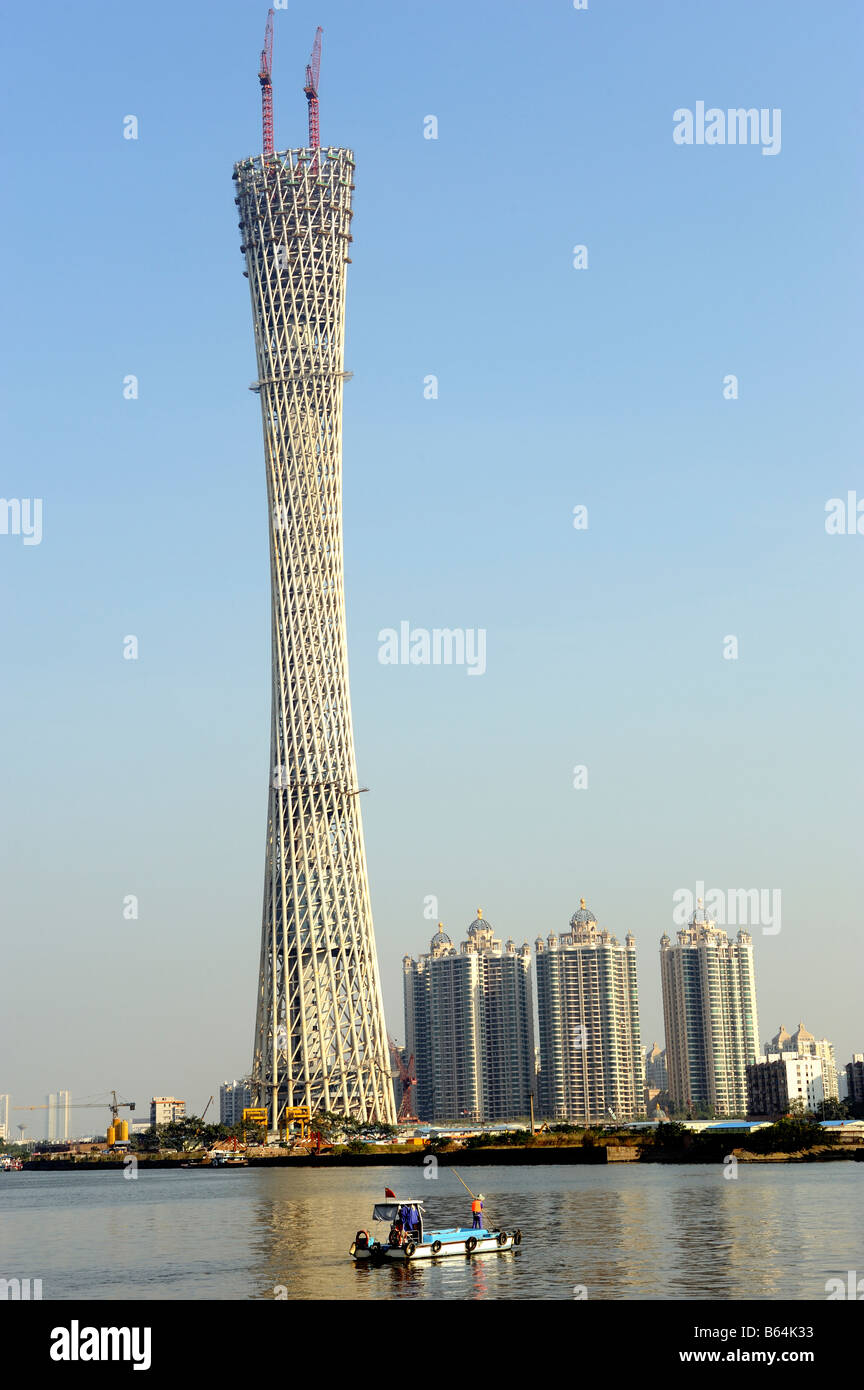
388 1193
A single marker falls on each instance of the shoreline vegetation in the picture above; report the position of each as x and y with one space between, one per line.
790 1140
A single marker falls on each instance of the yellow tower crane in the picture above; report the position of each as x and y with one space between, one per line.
117 1130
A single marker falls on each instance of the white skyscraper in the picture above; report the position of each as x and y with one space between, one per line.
58 1116
469 1025
592 1067
234 1097
709 1006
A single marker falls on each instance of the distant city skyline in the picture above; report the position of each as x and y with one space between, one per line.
548 300
834 1065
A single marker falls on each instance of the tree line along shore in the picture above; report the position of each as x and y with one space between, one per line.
793 1139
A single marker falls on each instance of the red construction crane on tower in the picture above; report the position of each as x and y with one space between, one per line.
313 68
409 1081
265 70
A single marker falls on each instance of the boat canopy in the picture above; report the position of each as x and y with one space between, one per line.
388 1211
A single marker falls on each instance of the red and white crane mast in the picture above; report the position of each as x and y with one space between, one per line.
313 69
265 70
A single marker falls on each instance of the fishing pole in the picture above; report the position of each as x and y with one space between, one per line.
464 1184
470 1193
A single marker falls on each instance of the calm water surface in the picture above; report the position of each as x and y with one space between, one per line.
775 1232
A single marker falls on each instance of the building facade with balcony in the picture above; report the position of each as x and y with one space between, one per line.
709 1008
592 1067
470 1027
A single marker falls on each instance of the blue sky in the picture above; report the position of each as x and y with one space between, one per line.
557 387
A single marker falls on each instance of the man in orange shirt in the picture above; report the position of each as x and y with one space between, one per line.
477 1212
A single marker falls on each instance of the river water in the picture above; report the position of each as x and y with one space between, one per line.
620 1232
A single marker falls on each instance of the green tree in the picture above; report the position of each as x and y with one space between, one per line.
832 1109
146 1142
794 1132
671 1134
189 1133
438 1144
332 1126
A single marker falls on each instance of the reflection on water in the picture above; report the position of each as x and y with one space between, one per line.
774 1232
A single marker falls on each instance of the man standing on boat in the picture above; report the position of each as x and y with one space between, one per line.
477 1212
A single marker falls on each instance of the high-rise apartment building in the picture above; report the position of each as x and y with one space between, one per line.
320 1038
418 1026
709 1007
855 1079
803 1042
592 1067
5 1104
58 1116
470 1027
234 1097
656 1073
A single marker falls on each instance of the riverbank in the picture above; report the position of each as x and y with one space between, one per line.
526 1155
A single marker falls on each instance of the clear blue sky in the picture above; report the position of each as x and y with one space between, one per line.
556 387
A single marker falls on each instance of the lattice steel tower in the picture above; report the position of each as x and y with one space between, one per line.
320 1038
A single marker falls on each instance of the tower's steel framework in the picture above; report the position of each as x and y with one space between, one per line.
320 1038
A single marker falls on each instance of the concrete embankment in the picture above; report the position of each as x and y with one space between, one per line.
504 1156
462 1158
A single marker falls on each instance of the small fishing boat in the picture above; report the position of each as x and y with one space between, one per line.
410 1239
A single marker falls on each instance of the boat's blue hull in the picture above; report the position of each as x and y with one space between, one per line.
436 1244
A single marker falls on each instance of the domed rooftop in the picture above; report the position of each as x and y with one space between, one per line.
441 938
480 923
583 917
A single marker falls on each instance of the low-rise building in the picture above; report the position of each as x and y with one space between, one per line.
165 1109
802 1041
845 1131
776 1081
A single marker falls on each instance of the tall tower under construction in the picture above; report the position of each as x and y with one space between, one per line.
320 1038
